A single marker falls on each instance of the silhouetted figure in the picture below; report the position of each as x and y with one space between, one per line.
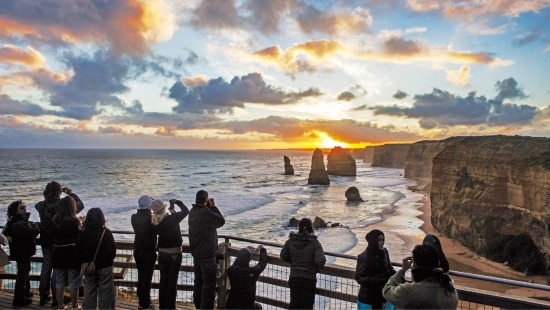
434 241
243 279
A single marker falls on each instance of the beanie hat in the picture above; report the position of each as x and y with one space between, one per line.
157 205
144 202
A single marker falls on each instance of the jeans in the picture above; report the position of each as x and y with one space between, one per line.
145 264
204 290
169 265
302 293
47 280
22 283
99 286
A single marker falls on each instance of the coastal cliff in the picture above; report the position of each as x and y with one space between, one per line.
493 193
390 155
368 154
340 162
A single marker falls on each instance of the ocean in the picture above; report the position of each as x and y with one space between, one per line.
249 188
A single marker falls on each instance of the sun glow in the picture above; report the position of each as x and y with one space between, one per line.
326 142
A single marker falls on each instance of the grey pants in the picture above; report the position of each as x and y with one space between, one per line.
99 286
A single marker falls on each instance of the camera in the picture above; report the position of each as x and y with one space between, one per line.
64 189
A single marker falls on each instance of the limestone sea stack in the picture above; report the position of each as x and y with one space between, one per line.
318 175
487 191
352 194
289 170
340 162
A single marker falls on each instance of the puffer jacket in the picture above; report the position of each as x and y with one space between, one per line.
305 255
46 211
372 272
203 237
23 234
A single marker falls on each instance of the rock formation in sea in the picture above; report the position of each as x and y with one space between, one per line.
340 162
493 192
289 170
318 175
390 155
369 154
352 194
317 223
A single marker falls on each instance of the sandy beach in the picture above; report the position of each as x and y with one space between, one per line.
462 259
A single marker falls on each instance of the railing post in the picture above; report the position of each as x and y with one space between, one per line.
223 264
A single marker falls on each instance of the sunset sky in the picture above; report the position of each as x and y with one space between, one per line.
261 74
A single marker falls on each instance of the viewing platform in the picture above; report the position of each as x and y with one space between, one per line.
336 285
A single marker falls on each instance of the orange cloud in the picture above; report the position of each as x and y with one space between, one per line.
28 57
194 81
468 10
312 20
460 77
163 131
301 57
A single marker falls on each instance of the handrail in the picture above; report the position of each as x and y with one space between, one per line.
227 238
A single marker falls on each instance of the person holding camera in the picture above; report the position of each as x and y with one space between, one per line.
46 210
22 246
243 279
167 227
204 219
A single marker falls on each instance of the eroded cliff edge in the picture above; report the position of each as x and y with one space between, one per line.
486 191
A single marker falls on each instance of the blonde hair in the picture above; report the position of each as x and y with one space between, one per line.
156 218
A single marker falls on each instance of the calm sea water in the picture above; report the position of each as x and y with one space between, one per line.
249 188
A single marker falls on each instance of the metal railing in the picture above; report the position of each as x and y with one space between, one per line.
336 285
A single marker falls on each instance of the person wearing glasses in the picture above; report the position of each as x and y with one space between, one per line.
22 246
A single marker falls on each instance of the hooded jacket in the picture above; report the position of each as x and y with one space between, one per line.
23 234
203 237
243 279
305 255
144 238
46 211
372 272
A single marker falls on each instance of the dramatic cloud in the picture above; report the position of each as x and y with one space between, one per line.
11 54
346 96
215 15
9 106
267 14
442 109
461 77
220 96
399 94
306 57
311 20
128 26
397 46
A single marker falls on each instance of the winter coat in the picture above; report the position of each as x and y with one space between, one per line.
425 294
23 234
305 255
203 237
87 245
168 229
46 211
372 272
65 255
144 238
243 279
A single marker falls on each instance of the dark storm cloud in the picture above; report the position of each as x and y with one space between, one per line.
220 96
8 106
400 94
442 109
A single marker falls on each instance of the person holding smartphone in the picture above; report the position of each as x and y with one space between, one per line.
243 278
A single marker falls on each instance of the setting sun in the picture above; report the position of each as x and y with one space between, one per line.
326 142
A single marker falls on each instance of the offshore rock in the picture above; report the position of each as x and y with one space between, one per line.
289 170
319 223
340 162
352 194
318 175
390 155
488 190
369 154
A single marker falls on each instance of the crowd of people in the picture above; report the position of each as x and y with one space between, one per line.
69 242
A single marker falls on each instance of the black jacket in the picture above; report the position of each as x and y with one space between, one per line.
372 272
87 245
23 235
305 255
203 237
243 279
46 211
168 229
65 255
144 237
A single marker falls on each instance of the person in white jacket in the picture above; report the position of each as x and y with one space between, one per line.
431 289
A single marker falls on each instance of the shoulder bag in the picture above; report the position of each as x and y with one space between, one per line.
89 267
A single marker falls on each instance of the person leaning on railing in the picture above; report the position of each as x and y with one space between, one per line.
243 279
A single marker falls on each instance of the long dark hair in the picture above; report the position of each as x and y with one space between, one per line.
95 219
305 226
52 191
426 262
65 212
12 209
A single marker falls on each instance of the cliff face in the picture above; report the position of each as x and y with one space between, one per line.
418 163
390 155
340 162
318 174
485 188
369 154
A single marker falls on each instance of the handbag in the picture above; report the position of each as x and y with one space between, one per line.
89 267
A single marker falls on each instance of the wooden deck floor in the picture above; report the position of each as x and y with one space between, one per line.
6 299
